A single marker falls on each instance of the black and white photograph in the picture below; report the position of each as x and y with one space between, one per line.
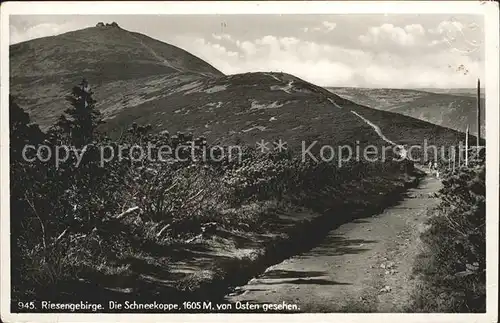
256 158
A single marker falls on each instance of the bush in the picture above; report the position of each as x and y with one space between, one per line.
71 222
453 268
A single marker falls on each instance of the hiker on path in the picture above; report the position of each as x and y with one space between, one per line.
435 168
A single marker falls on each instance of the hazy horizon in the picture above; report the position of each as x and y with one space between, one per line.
409 88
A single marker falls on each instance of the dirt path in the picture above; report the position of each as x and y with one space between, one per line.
334 104
362 266
375 127
155 54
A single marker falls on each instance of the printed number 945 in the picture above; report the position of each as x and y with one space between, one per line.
26 305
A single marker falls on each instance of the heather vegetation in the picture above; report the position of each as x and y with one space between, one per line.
78 219
452 267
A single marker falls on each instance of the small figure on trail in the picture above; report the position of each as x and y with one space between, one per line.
435 169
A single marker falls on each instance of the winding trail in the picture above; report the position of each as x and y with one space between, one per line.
334 104
361 266
375 127
402 150
161 58
285 88
274 77
155 54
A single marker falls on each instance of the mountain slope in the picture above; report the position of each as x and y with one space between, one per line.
138 79
449 110
112 59
453 111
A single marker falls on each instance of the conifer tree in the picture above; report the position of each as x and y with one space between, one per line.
77 128
83 117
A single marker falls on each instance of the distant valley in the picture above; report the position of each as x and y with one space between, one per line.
452 108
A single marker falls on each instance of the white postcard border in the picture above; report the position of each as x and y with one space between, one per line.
488 9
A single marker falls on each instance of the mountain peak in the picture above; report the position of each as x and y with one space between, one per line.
104 51
110 57
113 24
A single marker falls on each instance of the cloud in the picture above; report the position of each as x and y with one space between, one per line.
436 42
222 37
329 25
248 48
457 36
325 26
19 34
415 29
447 26
390 35
330 65
214 53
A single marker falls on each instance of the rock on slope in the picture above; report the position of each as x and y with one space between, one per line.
139 79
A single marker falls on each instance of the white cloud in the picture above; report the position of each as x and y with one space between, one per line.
211 51
329 65
447 26
436 42
288 42
388 34
222 37
329 25
459 37
18 35
248 48
415 29
325 26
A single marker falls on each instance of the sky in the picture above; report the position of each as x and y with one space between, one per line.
394 51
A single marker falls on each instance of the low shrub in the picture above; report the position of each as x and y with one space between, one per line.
72 222
453 265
